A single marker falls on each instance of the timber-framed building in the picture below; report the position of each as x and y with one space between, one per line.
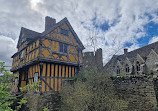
50 57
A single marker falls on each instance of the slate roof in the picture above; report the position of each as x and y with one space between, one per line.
32 35
143 52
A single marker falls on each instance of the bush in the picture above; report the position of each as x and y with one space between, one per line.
91 91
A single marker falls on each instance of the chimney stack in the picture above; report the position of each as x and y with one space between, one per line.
49 22
125 50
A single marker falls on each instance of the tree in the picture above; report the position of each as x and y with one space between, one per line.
91 91
5 86
6 100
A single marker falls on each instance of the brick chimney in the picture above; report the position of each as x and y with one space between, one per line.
49 22
125 50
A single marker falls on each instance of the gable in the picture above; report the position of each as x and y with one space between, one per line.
127 62
26 34
56 32
152 61
152 53
118 64
140 59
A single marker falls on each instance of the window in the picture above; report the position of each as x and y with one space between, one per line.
63 48
118 70
127 68
22 38
64 32
22 54
36 77
138 66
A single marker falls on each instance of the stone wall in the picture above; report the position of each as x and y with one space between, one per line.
91 60
139 91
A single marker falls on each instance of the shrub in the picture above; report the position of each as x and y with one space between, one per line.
91 91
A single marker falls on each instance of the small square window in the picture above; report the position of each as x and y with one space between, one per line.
63 48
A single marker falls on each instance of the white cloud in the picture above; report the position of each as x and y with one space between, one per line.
7 46
7 49
126 19
154 39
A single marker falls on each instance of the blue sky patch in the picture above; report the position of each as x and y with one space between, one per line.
151 30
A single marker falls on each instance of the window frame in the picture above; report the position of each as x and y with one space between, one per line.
138 66
127 69
22 54
63 46
118 72
35 78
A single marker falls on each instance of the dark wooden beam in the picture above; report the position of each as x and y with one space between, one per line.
41 71
46 83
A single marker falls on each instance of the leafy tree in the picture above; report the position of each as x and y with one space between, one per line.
6 99
91 91
31 87
5 86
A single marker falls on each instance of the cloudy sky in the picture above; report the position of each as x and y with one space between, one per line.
115 24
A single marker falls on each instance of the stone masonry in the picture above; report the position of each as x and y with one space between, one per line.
91 60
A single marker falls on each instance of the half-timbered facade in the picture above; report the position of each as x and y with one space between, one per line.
49 57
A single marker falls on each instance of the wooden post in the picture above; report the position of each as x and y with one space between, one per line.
41 71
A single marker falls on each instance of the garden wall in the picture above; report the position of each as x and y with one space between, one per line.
138 91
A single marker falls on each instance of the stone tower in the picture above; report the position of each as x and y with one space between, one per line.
91 60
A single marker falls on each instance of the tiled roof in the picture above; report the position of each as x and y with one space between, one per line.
30 35
143 52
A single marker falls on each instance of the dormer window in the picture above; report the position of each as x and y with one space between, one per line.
63 48
127 68
138 66
64 32
118 70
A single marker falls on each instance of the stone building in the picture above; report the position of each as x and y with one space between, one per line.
91 59
142 61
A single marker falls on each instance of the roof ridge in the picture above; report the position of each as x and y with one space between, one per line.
141 47
23 28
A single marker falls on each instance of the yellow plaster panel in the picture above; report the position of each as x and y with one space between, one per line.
52 70
48 70
55 56
43 86
63 71
56 84
46 43
44 69
52 83
59 85
46 52
59 70
56 70
70 71
72 58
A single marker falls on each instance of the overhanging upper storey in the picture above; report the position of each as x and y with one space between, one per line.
58 43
